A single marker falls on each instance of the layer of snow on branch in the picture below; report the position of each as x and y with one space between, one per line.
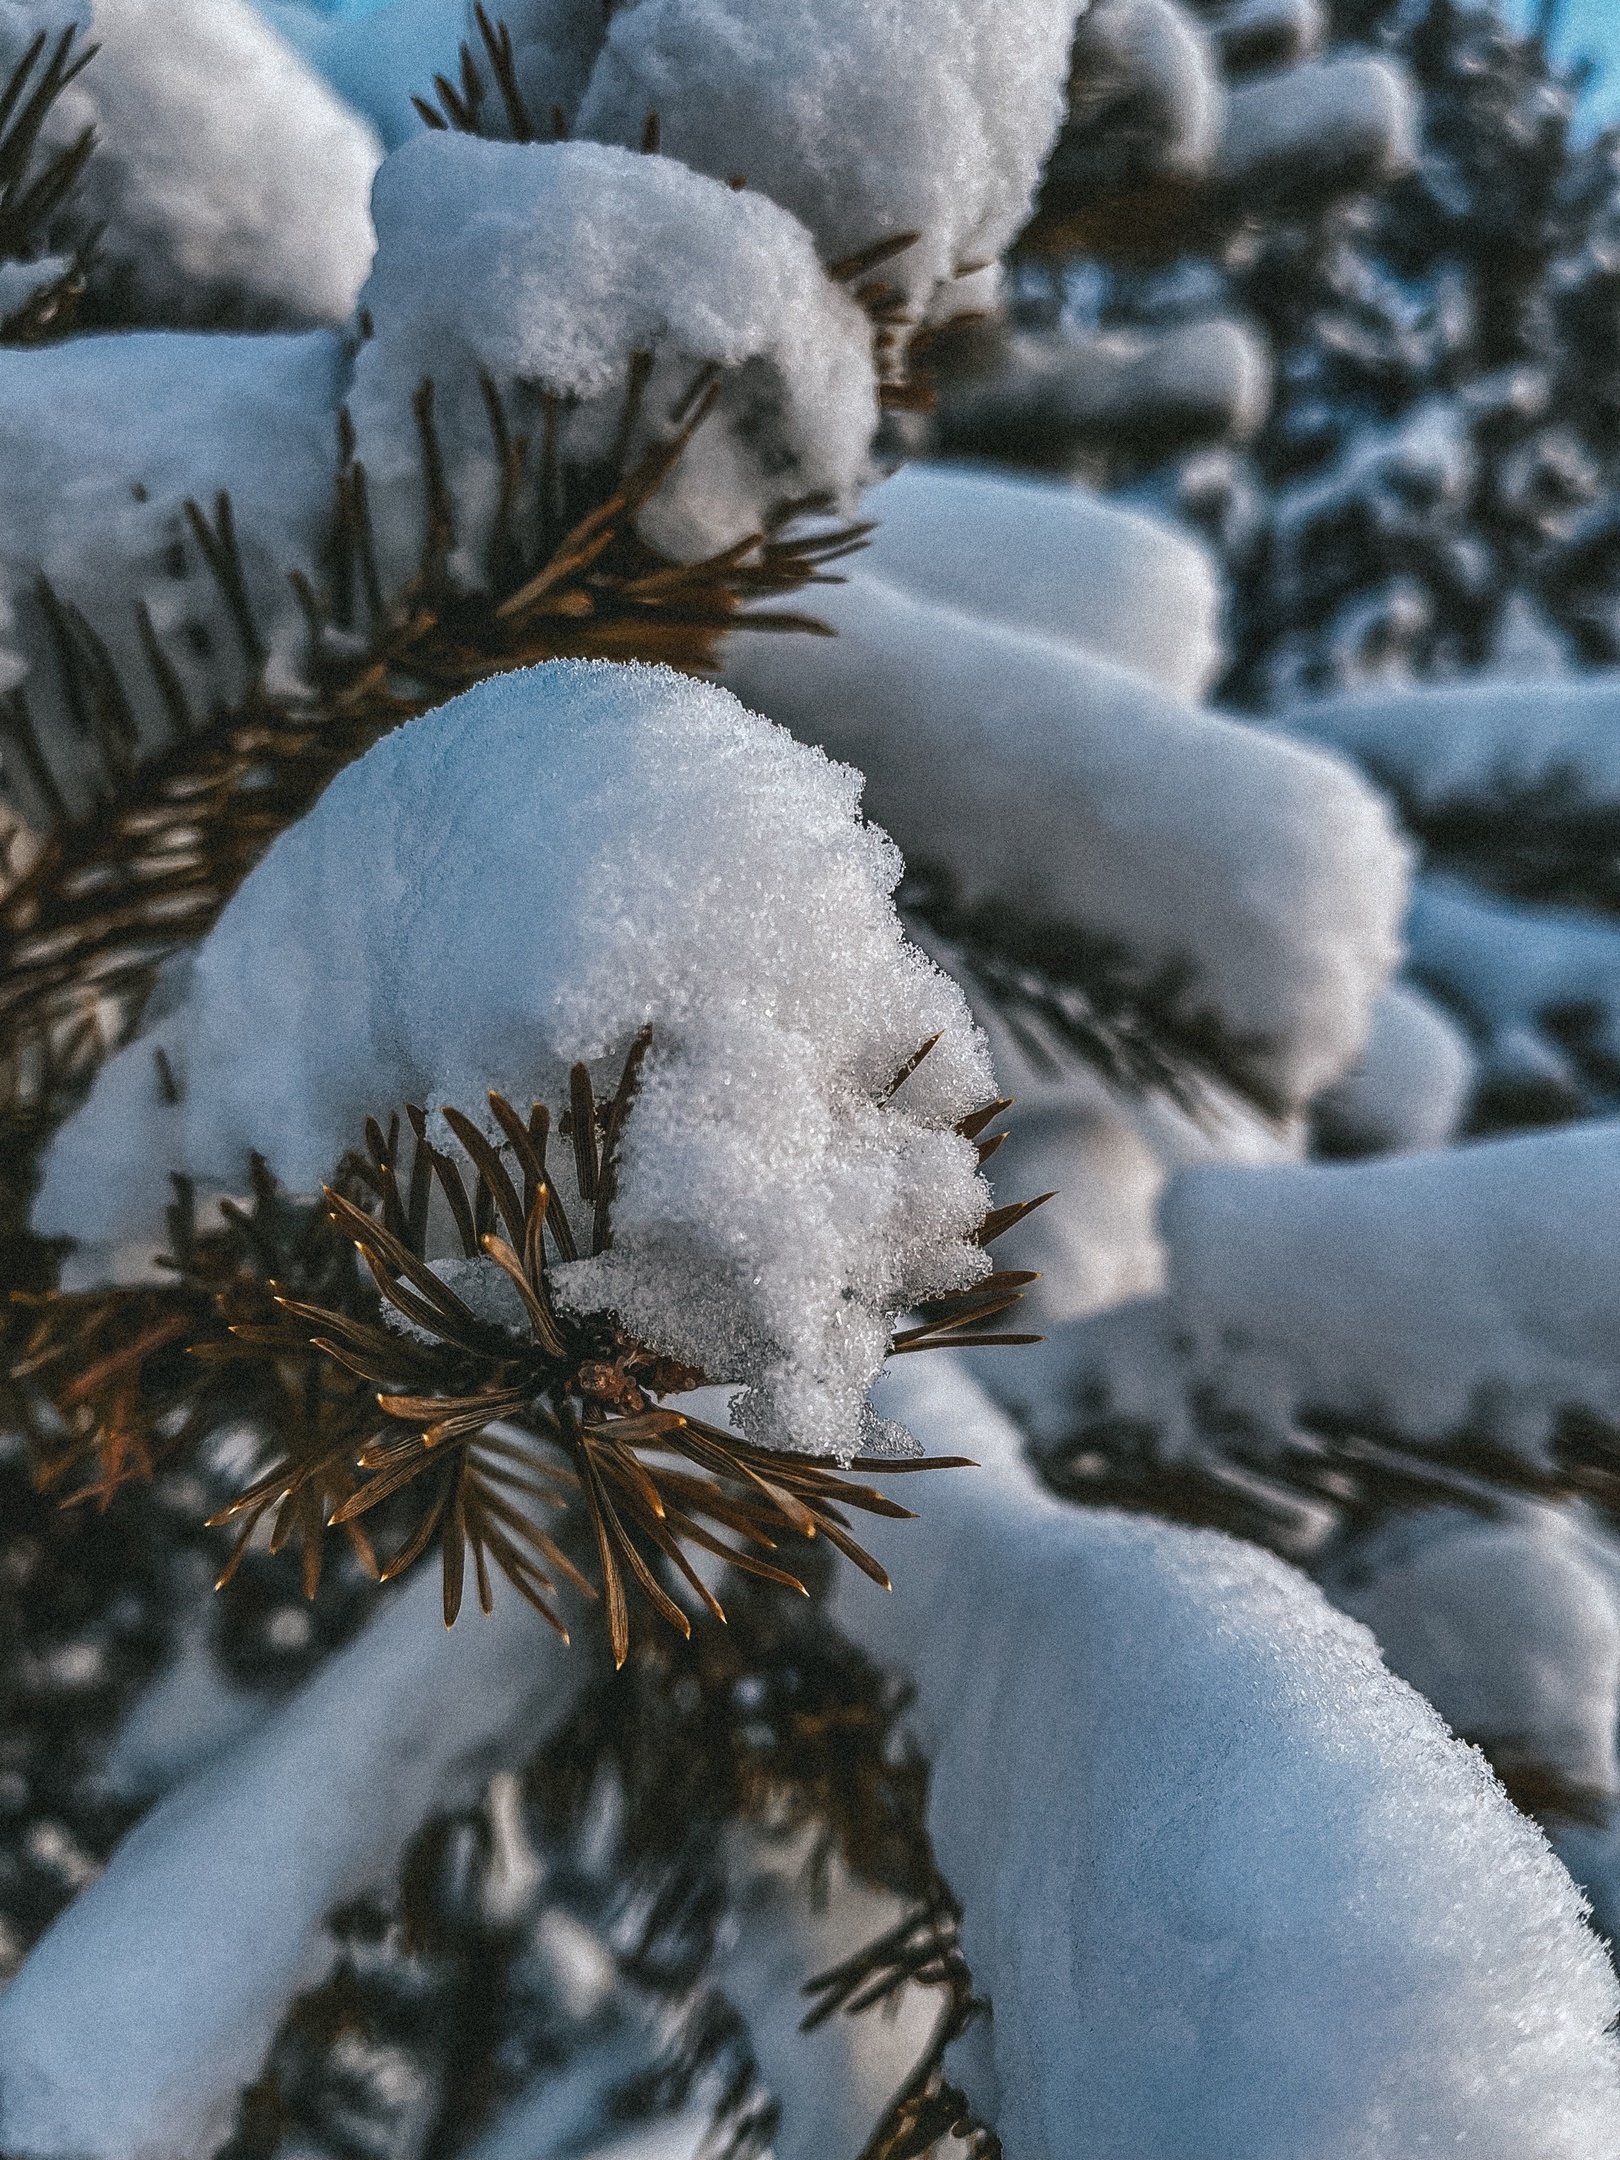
1510 968
182 1958
1232 1890
548 266
1510 1625
1077 792
1350 118
1475 742
103 441
379 59
1156 59
1054 558
1409 1087
525 877
227 175
866 118
1474 1287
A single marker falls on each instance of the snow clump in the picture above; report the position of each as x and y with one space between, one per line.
546 267
229 180
528 876
868 119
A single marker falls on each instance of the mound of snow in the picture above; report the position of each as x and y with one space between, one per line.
526 877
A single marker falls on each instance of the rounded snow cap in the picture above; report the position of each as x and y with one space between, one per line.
527 877
604 291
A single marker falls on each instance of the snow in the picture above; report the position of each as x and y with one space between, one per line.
1348 119
1056 399
184 1954
102 442
1058 559
1509 1624
1077 792
1474 1287
1233 1891
1512 969
1408 1089
1446 745
1156 60
547 266
1105 1157
525 877
1096 1242
784 1927
229 182
866 118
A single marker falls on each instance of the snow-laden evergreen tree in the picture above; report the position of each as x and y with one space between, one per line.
484 1107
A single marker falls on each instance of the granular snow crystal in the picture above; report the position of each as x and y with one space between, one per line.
526 877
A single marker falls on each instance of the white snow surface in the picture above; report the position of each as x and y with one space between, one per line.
1407 1089
523 878
866 118
1056 558
1509 1624
185 1953
1232 1889
546 266
790 1919
102 442
1078 792
1160 56
1349 115
1435 746
227 174
1475 1287
1507 966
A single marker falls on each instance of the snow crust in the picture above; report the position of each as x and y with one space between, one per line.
1472 1287
1233 1891
183 1955
1056 398
522 878
547 266
1055 558
1077 791
866 118
228 179
790 1919
102 442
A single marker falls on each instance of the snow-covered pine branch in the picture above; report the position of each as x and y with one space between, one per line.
1008 749
184 1956
527 878
1387 1952
682 282
228 182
